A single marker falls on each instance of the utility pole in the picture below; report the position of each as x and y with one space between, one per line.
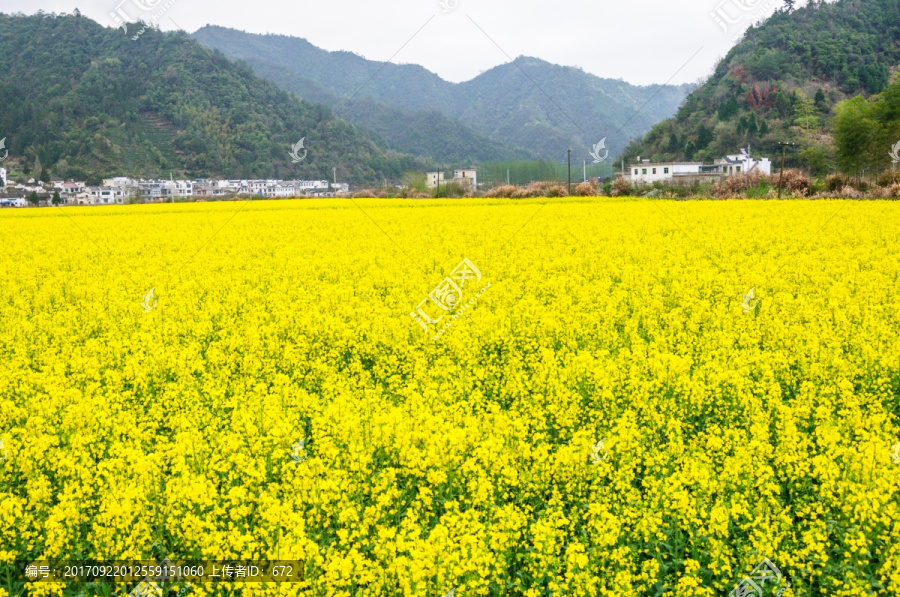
781 177
585 171
569 191
507 176
439 181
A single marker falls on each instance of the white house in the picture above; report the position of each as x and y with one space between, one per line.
3 178
120 181
645 171
468 178
742 162
107 195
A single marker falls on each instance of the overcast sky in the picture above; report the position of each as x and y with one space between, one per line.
640 41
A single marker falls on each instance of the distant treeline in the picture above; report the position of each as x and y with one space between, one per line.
494 174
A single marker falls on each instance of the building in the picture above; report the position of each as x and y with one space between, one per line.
467 178
432 179
107 195
742 162
645 171
2 178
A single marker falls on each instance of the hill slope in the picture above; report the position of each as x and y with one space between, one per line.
90 102
782 82
502 104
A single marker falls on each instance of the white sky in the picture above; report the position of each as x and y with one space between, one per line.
640 41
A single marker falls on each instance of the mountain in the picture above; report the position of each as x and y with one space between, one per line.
781 84
528 104
89 102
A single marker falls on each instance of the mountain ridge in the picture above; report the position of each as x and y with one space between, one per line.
528 104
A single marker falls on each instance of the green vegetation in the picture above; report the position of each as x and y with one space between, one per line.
782 83
83 101
503 114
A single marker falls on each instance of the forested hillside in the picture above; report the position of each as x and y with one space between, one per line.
507 106
782 83
83 101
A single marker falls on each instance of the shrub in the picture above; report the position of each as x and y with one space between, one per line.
621 186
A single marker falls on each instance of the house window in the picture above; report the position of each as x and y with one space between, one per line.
654 170
738 168
665 170
643 171
635 171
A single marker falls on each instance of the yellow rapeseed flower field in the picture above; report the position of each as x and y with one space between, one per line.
610 412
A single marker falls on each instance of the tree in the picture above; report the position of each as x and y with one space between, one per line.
805 114
854 128
704 137
38 169
820 100
673 143
33 198
789 5
728 108
56 198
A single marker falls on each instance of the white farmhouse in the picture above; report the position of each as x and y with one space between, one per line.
742 162
645 171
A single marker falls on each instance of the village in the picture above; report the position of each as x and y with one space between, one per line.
122 190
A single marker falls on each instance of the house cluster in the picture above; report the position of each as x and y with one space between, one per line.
645 171
121 189
468 178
